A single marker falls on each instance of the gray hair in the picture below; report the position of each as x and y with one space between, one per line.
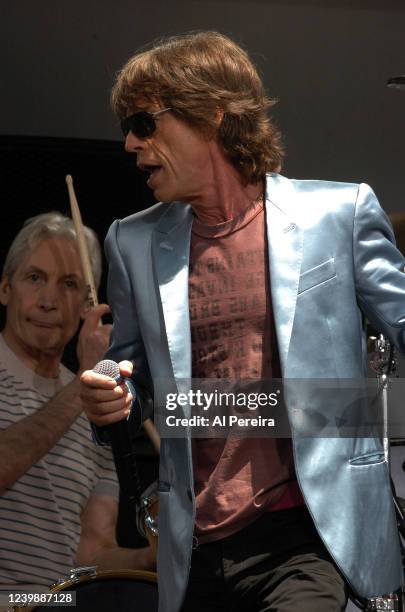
50 225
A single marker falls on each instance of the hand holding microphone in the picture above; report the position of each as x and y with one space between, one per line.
106 399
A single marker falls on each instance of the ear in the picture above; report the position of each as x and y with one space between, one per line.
5 291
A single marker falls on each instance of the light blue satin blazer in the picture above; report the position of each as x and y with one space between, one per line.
331 256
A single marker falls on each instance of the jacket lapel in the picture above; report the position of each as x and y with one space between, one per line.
171 249
285 240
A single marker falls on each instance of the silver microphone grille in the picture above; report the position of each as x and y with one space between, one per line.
108 367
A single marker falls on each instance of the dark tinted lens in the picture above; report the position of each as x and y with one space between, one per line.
141 124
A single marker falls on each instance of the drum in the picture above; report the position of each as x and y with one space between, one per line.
106 591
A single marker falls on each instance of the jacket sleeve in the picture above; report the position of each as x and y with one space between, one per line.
126 340
378 268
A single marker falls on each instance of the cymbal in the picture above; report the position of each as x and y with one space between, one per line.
398 223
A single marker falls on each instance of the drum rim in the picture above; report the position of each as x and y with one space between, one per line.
140 575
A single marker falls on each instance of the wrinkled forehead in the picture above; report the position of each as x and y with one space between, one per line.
56 256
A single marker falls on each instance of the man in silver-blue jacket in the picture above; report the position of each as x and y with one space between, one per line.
194 112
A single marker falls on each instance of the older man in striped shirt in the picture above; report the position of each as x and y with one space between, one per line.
58 491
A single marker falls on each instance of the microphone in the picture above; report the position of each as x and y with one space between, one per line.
119 431
110 368
122 444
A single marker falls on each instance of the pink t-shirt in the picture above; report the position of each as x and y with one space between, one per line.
233 336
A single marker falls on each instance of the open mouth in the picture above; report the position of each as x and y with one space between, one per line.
154 173
150 168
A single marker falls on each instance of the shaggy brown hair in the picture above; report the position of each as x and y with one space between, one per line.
196 75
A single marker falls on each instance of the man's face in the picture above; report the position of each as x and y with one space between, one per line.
45 299
179 158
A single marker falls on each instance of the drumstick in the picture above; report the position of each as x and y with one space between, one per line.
81 241
91 287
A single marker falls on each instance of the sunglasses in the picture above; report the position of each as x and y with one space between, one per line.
142 124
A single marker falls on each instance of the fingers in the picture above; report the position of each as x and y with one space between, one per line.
110 412
93 339
104 401
94 315
93 380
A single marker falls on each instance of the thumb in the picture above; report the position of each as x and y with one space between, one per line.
126 368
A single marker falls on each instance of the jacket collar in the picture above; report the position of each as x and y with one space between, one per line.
171 248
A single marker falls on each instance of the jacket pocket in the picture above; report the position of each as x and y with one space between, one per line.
368 459
317 275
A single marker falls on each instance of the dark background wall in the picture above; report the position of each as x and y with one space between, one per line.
326 61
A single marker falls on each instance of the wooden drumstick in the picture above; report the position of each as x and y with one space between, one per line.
91 287
81 241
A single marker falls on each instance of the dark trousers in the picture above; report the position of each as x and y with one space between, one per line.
276 564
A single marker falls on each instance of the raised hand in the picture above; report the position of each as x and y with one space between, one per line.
94 338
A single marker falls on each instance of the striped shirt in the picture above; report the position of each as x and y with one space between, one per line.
40 514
